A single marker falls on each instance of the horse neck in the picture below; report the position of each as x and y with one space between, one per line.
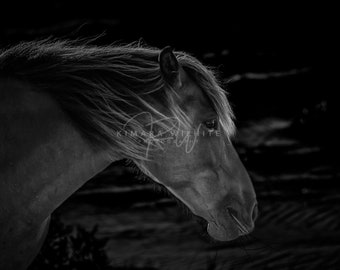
43 158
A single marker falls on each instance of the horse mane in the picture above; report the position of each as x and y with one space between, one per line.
102 88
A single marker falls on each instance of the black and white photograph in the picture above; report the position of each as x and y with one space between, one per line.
159 135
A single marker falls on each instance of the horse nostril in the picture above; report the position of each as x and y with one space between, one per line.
255 212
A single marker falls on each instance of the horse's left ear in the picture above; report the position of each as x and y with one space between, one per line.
170 67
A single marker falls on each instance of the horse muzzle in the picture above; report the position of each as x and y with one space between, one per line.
230 226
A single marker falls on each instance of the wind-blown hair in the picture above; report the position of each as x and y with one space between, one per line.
107 89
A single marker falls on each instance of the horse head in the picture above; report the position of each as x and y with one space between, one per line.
203 170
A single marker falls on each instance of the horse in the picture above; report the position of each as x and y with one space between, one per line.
71 108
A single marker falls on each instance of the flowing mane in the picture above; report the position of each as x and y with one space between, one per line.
69 109
102 88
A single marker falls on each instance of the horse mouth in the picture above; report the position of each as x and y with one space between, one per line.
230 229
242 228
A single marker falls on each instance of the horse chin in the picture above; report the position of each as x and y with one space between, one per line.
221 233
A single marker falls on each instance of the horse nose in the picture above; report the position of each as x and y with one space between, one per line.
255 212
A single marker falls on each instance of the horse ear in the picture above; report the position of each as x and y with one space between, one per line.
170 67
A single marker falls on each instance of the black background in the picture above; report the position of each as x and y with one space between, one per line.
285 56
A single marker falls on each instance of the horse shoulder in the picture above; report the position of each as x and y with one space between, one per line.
43 158
21 242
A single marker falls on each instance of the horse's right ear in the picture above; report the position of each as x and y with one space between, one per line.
170 67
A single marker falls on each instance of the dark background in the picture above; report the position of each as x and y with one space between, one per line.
279 65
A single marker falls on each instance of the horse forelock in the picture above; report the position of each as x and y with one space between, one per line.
207 80
104 89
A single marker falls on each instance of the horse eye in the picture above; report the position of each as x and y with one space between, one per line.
211 124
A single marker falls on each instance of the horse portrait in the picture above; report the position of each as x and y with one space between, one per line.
68 109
